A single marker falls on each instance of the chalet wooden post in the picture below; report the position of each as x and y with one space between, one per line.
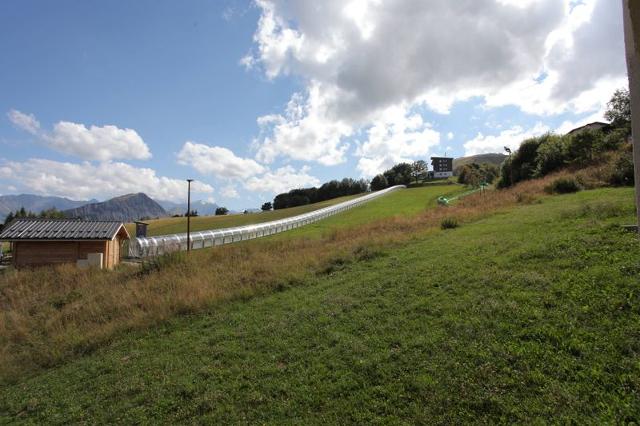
631 12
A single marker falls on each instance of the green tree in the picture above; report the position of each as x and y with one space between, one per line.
619 109
419 170
267 206
583 146
51 213
552 154
379 182
474 174
221 211
9 218
400 174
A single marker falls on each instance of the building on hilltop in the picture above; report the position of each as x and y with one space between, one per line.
596 125
36 242
442 167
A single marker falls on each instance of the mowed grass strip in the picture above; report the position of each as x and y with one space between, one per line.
531 315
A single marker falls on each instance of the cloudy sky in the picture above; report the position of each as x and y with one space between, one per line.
252 98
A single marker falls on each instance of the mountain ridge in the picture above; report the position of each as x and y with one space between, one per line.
126 208
491 158
36 203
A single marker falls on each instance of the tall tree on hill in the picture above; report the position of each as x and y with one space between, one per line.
379 182
400 174
419 170
619 109
267 206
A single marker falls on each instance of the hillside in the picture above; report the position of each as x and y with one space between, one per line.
126 208
496 159
174 225
526 316
35 203
409 203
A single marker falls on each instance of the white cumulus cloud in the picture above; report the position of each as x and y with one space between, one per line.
97 143
281 180
510 138
87 180
27 122
306 131
398 136
229 192
359 58
217 161
100 143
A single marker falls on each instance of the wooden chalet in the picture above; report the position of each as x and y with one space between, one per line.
36 242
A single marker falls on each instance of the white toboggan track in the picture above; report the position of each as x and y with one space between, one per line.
153 246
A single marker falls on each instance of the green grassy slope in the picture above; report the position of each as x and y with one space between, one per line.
174 225
530 315
405 202
495 159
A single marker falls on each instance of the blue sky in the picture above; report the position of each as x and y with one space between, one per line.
253 98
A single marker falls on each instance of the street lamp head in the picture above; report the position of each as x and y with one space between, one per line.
189 180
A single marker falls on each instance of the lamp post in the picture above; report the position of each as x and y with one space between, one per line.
189 214
508 150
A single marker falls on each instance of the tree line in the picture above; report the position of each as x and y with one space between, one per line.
51 213
539 156
401 174
327 191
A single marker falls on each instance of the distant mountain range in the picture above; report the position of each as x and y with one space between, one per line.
126 208
203 208
36 203
496 159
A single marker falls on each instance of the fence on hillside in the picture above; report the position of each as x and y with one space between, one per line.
153 246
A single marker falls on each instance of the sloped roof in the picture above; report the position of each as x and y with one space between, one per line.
62 229
596 125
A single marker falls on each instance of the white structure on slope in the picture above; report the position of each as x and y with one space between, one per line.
153 246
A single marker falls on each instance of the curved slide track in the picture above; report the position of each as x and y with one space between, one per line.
154 246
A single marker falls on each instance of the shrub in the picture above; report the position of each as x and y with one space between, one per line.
551 154
583 147
449 223
474 174
622 173
563 186
525 198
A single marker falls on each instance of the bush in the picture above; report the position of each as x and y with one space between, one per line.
563 186
449 223
551 154
475 174
584 146
622 174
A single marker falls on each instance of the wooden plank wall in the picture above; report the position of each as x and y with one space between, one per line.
34 253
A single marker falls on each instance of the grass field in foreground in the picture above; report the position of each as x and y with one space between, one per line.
174 225
530 315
